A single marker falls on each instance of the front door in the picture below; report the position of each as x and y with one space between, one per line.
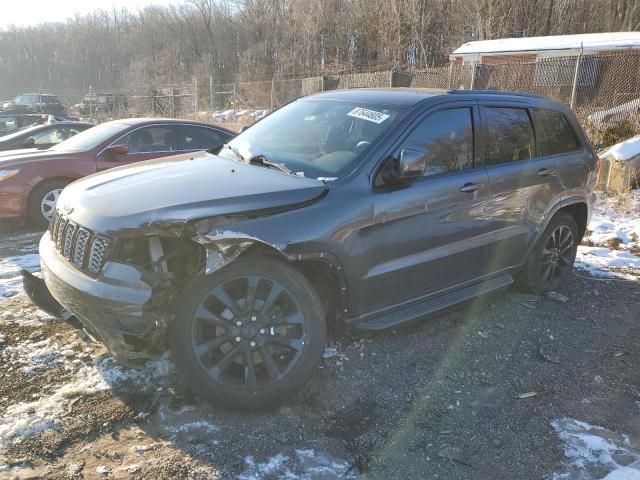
431 234
144 144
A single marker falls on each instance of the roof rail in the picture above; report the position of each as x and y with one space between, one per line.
494 92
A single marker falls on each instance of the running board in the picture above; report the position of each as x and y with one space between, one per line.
421 307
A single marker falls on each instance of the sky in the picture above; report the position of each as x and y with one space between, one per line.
33 12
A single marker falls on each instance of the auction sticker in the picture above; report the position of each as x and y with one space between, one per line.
368 115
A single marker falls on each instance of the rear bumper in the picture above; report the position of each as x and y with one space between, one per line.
111 306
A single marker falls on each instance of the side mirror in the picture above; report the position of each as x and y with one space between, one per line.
243 128
29 142
409 165
114 150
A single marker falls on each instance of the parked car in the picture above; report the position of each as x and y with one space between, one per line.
10 122
42 137
101 103
370 208
34 103
31 182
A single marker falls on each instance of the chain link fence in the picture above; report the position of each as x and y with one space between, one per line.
603 89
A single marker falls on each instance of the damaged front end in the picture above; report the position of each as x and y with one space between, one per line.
128 302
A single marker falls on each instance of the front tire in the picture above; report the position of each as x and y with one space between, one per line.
42 202
249 335
553 256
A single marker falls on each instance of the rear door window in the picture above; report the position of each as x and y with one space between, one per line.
508 135
446 140
555 134
199 138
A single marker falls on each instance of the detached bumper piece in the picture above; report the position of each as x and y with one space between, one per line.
39 294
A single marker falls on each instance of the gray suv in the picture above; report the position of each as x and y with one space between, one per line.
367 208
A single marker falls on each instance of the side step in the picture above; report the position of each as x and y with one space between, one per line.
415 309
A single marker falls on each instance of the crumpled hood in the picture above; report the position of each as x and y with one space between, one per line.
161 194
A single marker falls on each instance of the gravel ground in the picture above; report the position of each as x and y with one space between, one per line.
482 391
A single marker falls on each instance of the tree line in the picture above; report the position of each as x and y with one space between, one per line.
247 40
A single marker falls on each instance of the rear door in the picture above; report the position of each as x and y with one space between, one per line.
557 139
522 183
428 235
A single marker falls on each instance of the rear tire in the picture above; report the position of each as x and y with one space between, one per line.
250 335
42 201
553 256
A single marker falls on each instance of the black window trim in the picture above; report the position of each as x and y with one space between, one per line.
485 128
423 115
159 124
577 138
207 127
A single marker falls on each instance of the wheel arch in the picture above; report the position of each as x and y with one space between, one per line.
47 180
323 270
579 212
29 197
576 207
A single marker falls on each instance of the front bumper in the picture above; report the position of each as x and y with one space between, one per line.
112 306
12 199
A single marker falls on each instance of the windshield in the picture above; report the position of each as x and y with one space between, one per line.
20 132
318 138
91 138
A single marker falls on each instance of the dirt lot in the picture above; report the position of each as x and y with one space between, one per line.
496 388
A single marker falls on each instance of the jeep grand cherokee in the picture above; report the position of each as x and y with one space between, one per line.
369 208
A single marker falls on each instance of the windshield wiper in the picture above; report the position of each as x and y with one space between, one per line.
261 160
257 159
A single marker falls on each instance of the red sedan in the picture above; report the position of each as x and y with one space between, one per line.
30 182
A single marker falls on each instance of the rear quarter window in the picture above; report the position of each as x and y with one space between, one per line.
508 136
555 133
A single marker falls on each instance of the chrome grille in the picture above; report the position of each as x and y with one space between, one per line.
79 245
60 234
98 249
69 234
82 240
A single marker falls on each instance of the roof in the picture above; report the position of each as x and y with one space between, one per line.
588 41
409 97
386 96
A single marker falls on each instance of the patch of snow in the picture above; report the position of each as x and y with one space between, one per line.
601 262
594 453
624 150
306 465
330 352
200 426
10 267
34 356
609 223
29 418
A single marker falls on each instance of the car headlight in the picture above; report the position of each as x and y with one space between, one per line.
7 174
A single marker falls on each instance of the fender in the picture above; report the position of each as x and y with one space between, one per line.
223 247
550 214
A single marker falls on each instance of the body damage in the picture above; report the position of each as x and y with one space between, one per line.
130 304
207 211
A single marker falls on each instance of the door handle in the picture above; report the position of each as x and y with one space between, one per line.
471 187
545 172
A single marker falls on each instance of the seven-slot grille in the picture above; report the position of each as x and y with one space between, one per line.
79 245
